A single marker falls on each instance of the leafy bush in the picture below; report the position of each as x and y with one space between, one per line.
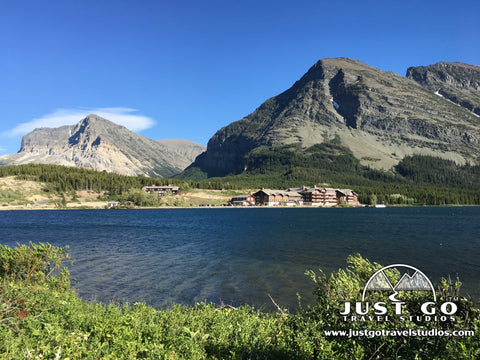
24 269
35 264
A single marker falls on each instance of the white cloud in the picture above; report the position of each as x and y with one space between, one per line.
122 116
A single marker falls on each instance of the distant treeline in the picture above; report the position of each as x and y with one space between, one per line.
65 178
433 170
416 180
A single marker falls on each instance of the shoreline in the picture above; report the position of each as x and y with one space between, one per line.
23 208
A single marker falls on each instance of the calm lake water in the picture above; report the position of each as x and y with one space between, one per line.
240 256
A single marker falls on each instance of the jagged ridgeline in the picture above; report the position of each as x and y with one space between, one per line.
344 120
456 82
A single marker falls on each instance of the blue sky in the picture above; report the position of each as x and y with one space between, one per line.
183 69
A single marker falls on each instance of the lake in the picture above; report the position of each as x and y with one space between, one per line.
238 256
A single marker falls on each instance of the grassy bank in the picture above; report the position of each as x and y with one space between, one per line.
28 194
42 318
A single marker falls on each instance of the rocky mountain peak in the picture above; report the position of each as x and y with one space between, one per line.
95 120
95 142
456 82
90 130
380 116
456 74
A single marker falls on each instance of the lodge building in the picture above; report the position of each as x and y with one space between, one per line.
162 190
347 196
243 200
270 197
309 196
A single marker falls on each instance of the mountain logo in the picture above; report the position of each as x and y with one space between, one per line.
412 280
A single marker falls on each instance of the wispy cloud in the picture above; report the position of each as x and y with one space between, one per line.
122 116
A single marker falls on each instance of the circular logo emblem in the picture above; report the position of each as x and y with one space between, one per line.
412 279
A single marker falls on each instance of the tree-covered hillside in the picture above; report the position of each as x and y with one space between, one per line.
65 178
416 180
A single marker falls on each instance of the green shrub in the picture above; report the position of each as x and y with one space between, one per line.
35 264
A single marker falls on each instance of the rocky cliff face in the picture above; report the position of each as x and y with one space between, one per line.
102 145
380 116
457 82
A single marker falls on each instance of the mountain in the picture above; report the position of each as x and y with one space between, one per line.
416 282
457 82
99 144
380 117
184 151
